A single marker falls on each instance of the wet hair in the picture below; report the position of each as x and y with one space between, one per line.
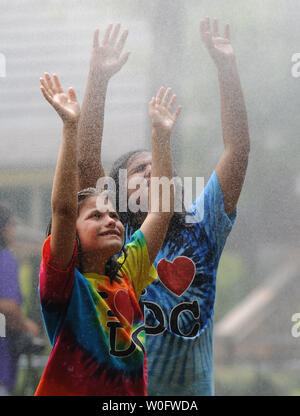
122 163
5 216
178 220
112 266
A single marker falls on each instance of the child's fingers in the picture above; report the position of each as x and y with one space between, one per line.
49 82
124 58
208 40
72 94
177 112
167 97
152 102
114 34
57 84
227 32
205 32
106 34
44 84
159 95
215 28
47 96
96 38
207 24
171 104
204 26
121 42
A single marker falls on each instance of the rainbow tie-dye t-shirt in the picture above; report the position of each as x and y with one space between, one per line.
96 327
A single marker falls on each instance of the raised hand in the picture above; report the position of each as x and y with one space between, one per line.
161 111
65 105
107 58
219 47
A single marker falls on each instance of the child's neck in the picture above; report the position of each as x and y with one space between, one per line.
93 264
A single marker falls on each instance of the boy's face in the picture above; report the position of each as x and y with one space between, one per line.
99 228
139 168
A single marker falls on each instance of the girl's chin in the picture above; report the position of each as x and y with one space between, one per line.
114 247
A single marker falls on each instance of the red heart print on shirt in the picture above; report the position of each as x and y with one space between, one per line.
123 305
178 275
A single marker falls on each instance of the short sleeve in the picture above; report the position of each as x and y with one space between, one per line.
55 289
208 209
137 264
55 285
9 277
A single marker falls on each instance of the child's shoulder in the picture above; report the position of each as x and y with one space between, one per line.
136 237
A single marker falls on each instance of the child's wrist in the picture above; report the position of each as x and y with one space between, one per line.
99 77
229 68
161 134
71 125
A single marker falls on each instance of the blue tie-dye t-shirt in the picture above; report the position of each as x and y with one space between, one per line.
179 305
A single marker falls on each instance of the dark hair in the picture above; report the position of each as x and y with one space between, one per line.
178 220
5 215
112 266
122 163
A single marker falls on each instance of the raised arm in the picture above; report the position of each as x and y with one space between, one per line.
107 59
232 166
162 119
64 190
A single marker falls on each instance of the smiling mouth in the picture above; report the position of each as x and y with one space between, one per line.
111 232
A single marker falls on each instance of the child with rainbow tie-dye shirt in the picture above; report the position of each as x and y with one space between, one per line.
89 299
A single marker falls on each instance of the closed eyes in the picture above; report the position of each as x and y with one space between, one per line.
140 168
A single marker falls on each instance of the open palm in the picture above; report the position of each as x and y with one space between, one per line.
107 58
161 111
222 46
218 46
66 106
